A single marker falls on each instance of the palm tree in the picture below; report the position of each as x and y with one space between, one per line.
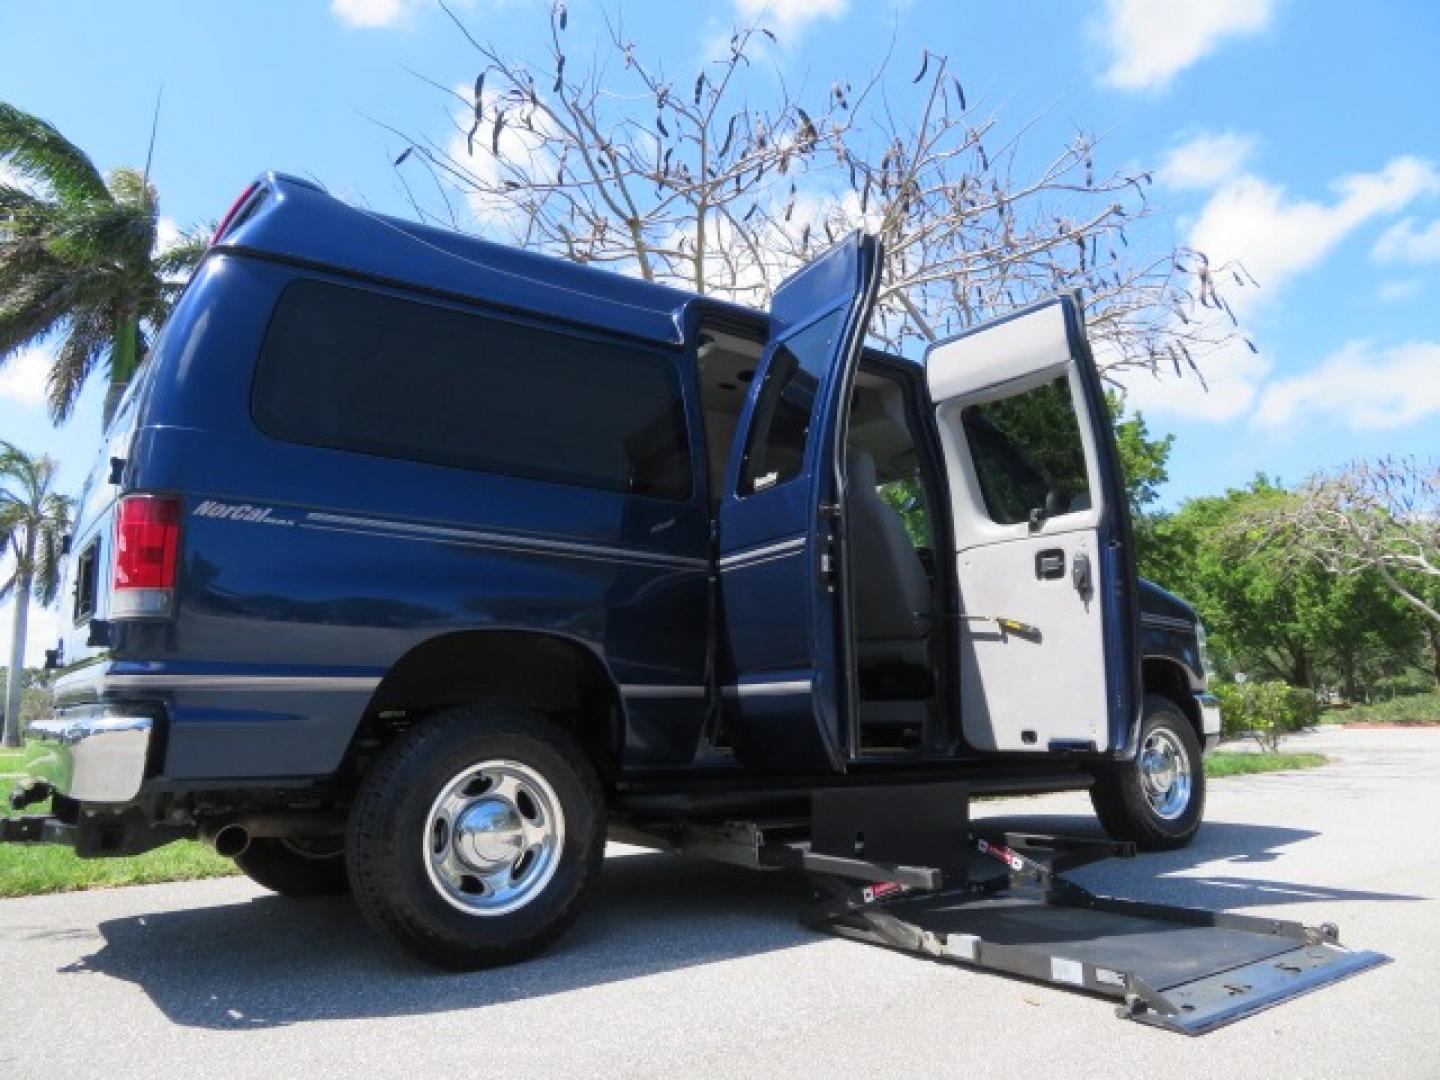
33 519
78 259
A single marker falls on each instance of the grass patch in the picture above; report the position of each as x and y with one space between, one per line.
1240 763
1411 710
27 870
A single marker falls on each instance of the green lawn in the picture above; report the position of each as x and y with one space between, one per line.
1241 763
26 870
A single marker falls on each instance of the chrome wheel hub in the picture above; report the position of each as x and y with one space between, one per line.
1165 774
493 837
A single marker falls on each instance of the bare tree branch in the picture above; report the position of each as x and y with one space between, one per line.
688 182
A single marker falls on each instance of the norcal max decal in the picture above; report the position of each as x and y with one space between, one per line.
255 515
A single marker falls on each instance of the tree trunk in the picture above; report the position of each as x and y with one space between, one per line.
15 681
1345 661
1298 664
123 362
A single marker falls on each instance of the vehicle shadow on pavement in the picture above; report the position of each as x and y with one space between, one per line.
1188 876
272 961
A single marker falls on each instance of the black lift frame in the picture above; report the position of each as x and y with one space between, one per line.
999 901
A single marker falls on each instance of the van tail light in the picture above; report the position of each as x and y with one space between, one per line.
147 556
233 213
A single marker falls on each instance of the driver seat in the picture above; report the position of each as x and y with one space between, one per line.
892 593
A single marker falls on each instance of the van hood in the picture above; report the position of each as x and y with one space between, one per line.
1157 601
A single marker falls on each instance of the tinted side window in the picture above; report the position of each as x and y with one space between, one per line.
357 370
1028 454
775 447
85 580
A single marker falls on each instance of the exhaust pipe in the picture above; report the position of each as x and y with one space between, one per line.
230 840
231 837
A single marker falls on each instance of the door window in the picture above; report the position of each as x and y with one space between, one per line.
1028 453
775 448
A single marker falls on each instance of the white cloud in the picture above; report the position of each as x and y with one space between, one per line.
12 177
1151 41
1206 161
1233 375
1275 236
22 376
1407 243
1360 387
790 14
520 148
1400 289
167 235
370 14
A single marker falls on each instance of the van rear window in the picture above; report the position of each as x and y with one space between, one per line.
357 370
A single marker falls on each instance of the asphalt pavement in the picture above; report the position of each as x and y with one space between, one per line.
682 969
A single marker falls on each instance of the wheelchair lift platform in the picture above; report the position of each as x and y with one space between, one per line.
902 866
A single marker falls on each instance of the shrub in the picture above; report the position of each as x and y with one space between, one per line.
1410 709
1265 710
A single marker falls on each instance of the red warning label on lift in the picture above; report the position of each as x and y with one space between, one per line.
1001 852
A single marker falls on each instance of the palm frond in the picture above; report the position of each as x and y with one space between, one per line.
129 186
39 152
54 524
181 258
118 234
28 316
18 467
18 205
90 337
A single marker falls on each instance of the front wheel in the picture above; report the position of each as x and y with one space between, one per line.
476 836
1158 799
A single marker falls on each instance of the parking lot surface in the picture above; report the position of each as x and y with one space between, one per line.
680 968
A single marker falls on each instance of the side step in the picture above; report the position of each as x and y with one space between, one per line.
900 866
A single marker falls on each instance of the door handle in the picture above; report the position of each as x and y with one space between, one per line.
1050 564
1080 574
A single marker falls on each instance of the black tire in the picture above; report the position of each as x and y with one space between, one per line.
388 846
297 868
1119 795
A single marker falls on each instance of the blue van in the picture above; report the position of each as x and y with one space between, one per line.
412 564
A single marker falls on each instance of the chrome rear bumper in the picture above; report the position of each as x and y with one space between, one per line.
96 755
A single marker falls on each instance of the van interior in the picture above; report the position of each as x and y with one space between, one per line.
894 586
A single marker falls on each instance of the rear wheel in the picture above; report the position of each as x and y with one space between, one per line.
476 836
1158 799
296 867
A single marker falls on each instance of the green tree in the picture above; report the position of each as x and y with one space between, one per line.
35 696
1276 618
33 519
1246 600
78 259
1144 462
1143 459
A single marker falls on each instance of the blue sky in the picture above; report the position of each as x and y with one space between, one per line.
1297 137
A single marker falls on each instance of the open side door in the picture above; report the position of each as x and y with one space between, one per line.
784 643
1045 556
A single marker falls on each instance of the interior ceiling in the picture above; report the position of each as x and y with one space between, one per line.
727 367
